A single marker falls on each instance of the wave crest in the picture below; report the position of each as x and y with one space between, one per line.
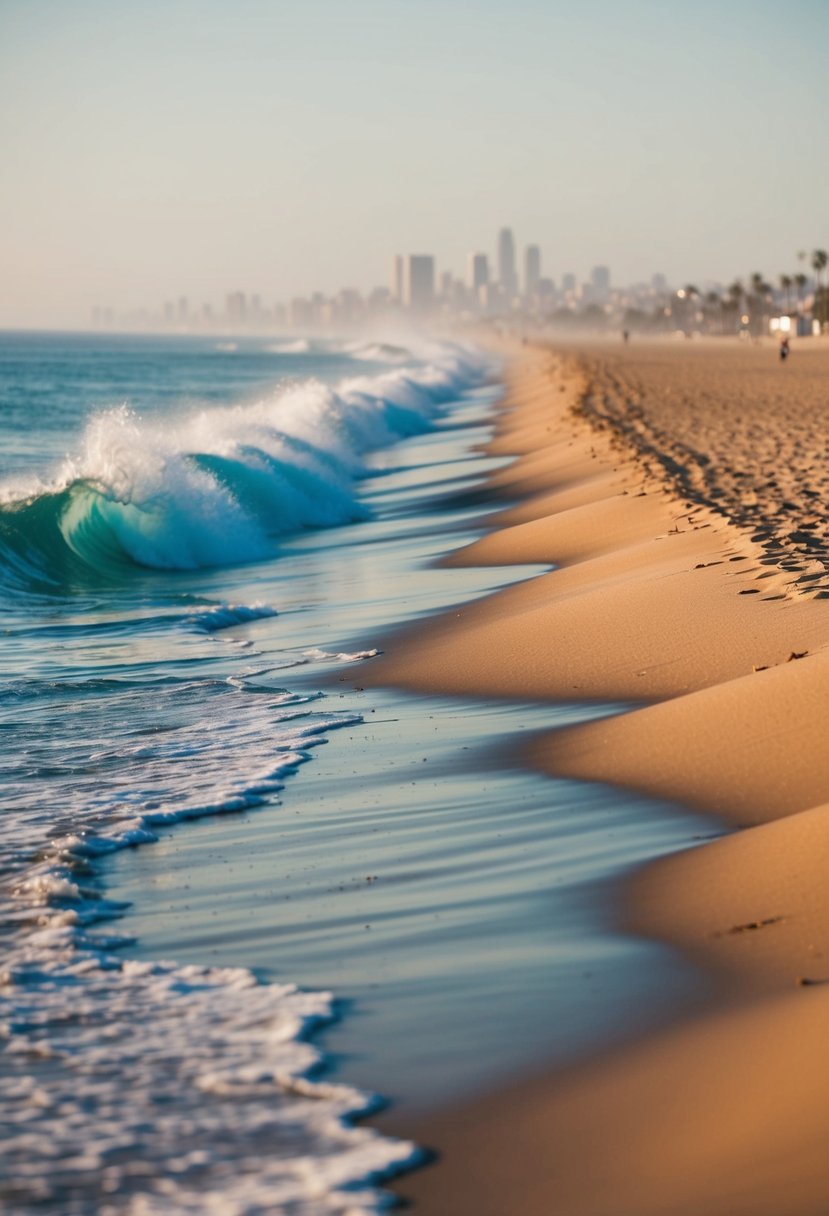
221 485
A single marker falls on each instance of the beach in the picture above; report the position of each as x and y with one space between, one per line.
187 536
414 603
406 807
678 490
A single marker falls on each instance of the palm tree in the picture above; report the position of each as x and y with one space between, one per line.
800 280
735 293
730 311
786 285
759 291
713 307
819 259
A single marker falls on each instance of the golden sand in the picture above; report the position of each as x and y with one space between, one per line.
681 494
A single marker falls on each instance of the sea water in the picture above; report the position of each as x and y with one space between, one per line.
127 464
189 528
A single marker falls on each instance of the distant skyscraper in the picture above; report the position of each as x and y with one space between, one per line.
418 281
532 270
568 282
236 306
506 262
350 305
477 271
600 280
659 283
300 313
396 284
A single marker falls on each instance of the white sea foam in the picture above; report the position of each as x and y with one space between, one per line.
222 484
296 346
225 616
378 352
165 1089
160 1088
133 1088
341 656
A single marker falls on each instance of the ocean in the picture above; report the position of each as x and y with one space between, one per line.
243 899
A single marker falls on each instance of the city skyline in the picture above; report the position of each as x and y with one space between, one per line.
489 287
416 291
157 146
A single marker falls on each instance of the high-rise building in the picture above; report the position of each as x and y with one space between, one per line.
236 306
477 271
396 284
568 283
379 299
320 309
600 280
532 270
546 291
506 262
300 313
349 306
490 299
418 281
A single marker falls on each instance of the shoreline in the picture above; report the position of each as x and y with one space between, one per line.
388 874
665 593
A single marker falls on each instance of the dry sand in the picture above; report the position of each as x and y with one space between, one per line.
681 493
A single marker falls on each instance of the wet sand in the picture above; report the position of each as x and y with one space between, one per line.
680 491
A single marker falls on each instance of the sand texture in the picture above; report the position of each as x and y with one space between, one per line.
750 440
680 492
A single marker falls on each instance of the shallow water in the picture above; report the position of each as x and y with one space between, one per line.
384 852
458 905
130 702
461 908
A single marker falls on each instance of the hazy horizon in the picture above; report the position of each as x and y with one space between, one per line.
190 149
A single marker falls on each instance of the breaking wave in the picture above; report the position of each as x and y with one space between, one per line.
220 485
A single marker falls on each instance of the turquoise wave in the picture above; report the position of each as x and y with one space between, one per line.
218 487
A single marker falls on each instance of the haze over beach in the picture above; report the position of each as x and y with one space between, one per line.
161 150
414 563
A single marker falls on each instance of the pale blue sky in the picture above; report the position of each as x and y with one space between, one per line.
152 149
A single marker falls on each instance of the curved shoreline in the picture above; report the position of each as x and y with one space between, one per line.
658 598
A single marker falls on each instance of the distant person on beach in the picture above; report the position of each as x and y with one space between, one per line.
784 349
625 335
